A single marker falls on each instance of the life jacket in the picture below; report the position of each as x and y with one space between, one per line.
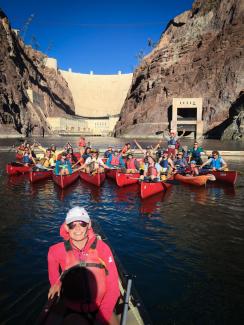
82 143
196 154
96 277
130 163
172 142
216 163
181 162
26 159
115 161
152 171
164 163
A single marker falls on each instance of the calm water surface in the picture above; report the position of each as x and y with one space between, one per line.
186 247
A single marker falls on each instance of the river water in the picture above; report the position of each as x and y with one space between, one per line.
185 247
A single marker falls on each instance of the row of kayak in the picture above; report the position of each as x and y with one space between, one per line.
147 188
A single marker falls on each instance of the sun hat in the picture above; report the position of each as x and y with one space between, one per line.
77 214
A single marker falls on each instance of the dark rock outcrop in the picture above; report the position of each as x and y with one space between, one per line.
200 54
29 91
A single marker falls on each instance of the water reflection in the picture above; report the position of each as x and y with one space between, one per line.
185 246
150 205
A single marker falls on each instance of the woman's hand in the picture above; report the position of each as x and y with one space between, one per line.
55 289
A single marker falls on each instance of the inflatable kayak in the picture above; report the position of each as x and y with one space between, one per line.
200 180
65 180
95 179
15 168
148 189
123 179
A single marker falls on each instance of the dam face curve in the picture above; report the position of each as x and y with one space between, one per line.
98 95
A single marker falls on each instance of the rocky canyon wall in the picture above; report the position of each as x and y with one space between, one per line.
29 91
200 54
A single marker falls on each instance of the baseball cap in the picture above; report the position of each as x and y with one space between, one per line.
77 214
193 162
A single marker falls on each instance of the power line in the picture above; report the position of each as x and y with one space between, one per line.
94 25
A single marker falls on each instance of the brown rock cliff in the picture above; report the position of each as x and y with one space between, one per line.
29 91
200 54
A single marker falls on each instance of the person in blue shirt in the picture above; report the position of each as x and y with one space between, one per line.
180 162
27 157
108 152
63 165
216 162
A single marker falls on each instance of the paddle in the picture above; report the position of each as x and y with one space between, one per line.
127 299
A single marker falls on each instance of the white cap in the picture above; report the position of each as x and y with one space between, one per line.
77 214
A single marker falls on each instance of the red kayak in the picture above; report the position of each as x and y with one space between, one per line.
15 168
123 179
200 180
65 180
228 177
111 173
95 179
148 189
37 175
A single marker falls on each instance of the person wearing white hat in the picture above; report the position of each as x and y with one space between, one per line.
82 248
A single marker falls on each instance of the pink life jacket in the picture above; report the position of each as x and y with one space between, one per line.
152 171
130 163
95 283
115 161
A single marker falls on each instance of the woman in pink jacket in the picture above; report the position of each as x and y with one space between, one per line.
82 248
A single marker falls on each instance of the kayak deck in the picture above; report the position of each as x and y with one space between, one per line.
95 179
200 180
65 180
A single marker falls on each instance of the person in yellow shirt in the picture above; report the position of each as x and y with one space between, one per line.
53 151
47 161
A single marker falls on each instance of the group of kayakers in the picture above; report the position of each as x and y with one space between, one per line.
156 164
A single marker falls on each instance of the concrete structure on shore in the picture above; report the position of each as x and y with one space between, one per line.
98 101
187 114
102 126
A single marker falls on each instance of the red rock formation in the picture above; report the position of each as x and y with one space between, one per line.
23 72
200 54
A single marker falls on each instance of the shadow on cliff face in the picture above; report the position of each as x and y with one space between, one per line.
56 99
233 122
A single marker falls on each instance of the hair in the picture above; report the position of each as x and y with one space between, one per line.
215 152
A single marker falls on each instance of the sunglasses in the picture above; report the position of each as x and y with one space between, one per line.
73 224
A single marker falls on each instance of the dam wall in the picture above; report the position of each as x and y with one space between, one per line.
98 95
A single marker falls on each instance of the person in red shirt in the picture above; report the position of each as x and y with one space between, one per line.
83 247
82 142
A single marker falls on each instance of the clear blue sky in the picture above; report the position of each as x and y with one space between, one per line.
100 35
